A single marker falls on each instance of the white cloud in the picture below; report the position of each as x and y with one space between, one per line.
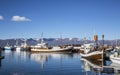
20 18
1 18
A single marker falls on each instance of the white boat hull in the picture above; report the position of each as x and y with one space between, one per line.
52 50
115 59
18 49
7 48
93 55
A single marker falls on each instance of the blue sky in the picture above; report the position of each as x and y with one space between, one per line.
72 18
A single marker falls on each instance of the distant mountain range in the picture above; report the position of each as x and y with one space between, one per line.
54 41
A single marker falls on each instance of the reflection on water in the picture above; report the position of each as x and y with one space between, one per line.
99 67
26 63
116 68
92 65
42 58
16 56
21 63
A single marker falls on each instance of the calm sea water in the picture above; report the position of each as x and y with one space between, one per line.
26 63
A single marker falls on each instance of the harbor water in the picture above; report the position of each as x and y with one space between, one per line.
27 63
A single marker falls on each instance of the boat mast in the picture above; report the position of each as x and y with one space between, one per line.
42 38
16 42
116 42
85 41
7 44
103 40
90 40
61 39
103 50
25 43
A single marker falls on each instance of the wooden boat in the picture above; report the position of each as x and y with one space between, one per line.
91 50
93 55
89 53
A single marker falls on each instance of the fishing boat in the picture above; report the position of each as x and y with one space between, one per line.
91 53
7 47
91 50
115 57
53 49
43 47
